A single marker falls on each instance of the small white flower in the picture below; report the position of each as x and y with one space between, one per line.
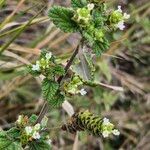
126 16
119 9
49 141
19 119
36 67
115 132
28 130
106 121
48 55
37 126
120 25
36 135
105 133
90 6
83 92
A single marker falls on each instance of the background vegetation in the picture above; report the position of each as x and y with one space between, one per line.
123 94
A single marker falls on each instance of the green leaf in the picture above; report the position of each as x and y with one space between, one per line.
39 145
13 133
6 143
99 47
33 118
57 100
62 18
49 89
58 70
78 3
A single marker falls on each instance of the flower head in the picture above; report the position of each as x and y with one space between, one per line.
105 133
119 9
49 141
115 132
90 6
36 135
82 16
120 25
83 92
48 55
106 121
37 127
36 67
117 18
28 130
126 16
19 120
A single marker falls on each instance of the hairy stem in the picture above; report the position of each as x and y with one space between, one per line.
45 105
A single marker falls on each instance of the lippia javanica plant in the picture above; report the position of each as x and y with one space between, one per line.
95 23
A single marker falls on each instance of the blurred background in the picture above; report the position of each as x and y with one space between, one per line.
25 29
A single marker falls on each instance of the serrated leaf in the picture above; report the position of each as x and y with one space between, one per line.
39 145
78 3
13 133
58 70
6 143
57 100
99 47
49 89
62 18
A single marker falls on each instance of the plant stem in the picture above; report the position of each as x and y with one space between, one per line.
45 105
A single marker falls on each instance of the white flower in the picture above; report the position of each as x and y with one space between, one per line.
106 121
120 25
119 9
36 67
105 133
19 119
28 130
90 6
115 132
126 16
49 141
37 126
83 92
48 55
36 135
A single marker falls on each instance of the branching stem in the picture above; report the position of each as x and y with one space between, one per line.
45 105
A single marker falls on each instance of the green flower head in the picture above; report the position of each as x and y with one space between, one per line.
82 16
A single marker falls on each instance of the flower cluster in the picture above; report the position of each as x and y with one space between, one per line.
73 87
83 15
30 132
42 63
87 121
108 128
33 131
117 18
46 65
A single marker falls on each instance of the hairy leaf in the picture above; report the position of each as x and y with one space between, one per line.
6 143
49 89
99 47
78 3
62 18
58 70
57 100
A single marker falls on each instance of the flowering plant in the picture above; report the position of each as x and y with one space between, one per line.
93 20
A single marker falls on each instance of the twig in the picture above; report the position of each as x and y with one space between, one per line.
45 105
